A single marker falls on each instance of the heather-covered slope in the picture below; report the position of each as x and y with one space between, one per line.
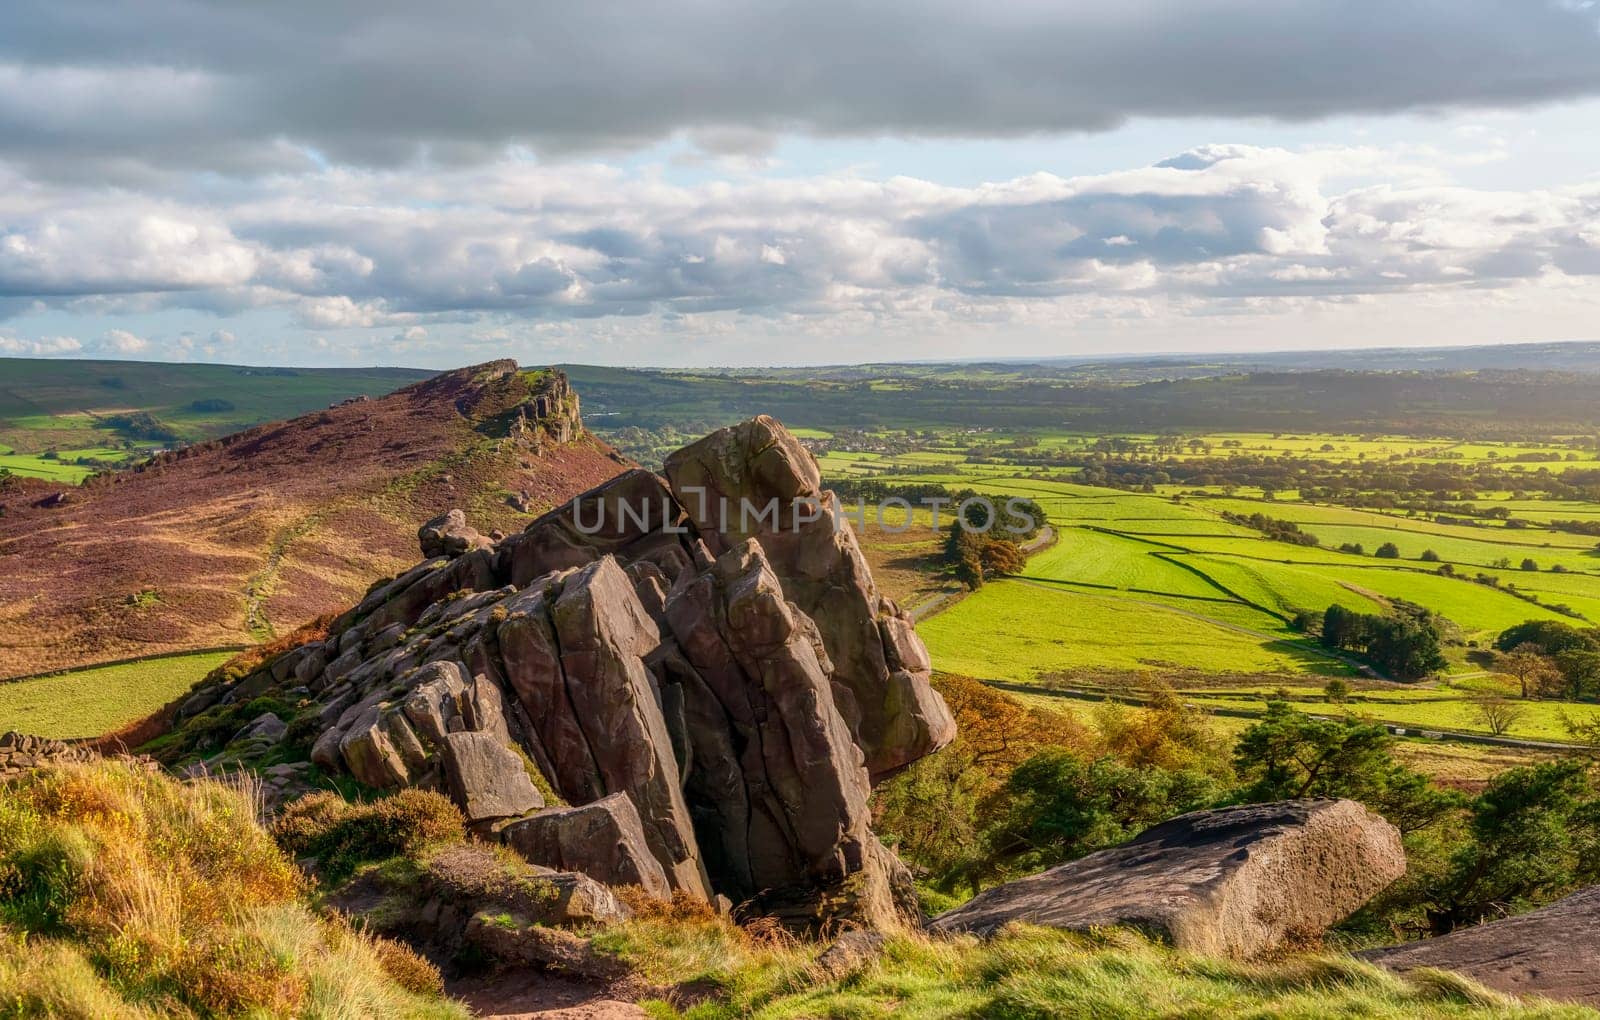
255 533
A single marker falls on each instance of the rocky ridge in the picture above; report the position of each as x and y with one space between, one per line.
688 683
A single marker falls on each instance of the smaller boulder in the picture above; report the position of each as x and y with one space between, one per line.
1234 882
851 952
604 840
265 726
449 534
486 779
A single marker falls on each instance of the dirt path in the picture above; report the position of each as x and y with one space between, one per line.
535 995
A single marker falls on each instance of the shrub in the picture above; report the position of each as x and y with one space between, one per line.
407 968
1529 564
1429 556
342 835
1388 551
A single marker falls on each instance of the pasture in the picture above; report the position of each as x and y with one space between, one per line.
1172 582
99 699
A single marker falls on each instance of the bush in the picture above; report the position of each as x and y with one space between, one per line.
1388 551
1529 564
342 835
1429 556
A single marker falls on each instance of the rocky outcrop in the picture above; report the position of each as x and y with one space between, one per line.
470 899
553 407
1233 882
449 535
1553 952
712 694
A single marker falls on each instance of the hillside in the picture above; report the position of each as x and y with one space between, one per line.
62 419
235 539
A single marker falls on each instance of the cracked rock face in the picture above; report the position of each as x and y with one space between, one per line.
710 692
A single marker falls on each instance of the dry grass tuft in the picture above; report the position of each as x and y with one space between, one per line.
341 834
126 893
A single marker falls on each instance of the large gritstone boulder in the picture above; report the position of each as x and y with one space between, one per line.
1553 953
1233 882
755 481
736 685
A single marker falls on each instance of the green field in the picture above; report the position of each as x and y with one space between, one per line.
89 702
1160 579
1020 631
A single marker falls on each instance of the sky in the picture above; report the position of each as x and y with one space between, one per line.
408 182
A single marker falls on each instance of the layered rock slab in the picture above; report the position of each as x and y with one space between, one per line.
1233 882
1553 952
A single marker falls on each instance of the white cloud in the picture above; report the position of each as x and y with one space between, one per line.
122 342
15 346
1220 229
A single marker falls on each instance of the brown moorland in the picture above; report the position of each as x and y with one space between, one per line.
235 540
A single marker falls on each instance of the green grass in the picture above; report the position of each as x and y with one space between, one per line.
1094 558
89 702
36 466
1037 974
1019 631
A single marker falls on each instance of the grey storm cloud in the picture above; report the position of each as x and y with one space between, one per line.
110 86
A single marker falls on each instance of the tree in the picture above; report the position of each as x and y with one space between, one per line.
1343 628
1581 670
1336 691
1532 837
1405 647
1288 754
1497 713
1062 805
1429 556
1529 564
1000 556
1536 673
1388 551
1551 636
936 810
977 555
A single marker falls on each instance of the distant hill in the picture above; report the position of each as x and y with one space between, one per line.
234 539
85 414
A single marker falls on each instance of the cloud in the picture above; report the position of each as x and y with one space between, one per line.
13 346
91 88
121 342
1221 227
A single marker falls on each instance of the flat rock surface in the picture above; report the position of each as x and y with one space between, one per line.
1552 952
